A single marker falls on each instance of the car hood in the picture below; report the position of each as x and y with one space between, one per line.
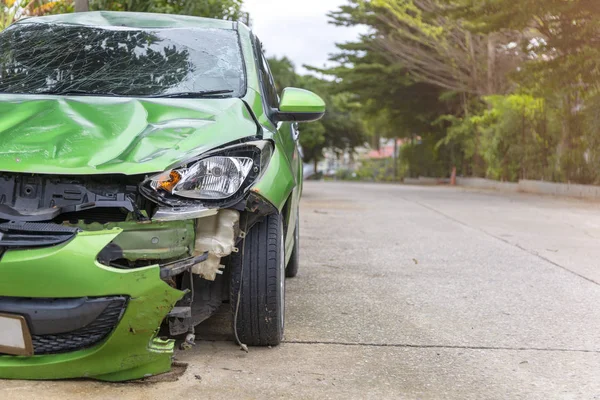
105 135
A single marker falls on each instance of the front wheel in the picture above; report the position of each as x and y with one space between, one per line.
258 281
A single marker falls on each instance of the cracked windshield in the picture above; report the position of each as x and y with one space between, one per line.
284 199
96 60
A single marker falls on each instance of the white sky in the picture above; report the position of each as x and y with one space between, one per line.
298 29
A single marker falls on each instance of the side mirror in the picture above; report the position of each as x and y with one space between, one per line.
299 105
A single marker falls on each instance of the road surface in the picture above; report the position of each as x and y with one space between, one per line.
410 292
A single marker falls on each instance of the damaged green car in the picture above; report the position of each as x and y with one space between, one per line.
149 173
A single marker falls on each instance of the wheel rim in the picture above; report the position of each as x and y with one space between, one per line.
282 281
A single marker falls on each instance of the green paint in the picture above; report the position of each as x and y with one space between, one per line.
150 240
278 180
86 135
71 270
248 53
294 100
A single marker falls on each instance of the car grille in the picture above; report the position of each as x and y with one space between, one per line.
82 338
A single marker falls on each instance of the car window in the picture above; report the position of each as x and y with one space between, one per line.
270 91
50 58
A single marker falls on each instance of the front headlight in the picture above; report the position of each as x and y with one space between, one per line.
216 176
213 178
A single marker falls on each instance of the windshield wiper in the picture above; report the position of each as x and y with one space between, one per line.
182 95
197 95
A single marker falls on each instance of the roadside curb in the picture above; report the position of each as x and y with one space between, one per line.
586 192
589 192
422 180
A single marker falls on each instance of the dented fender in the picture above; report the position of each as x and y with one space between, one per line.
278 181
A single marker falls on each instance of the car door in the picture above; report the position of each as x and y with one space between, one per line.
288 136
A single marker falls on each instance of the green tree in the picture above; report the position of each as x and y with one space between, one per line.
284 73
13 10
563 65
514 86
433 47
341 129
396 102
222 9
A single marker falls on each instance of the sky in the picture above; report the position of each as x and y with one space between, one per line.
298 29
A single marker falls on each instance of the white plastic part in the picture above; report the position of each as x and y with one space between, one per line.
217 235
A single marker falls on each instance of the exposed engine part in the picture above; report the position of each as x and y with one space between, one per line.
180 213
38 198
178 267
180 312
190 339
189 312
187 242
189 342
146 243
216 235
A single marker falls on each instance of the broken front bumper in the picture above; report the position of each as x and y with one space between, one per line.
70 270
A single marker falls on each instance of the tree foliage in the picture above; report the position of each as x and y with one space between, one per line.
341 129
503 89
395 103
222 9
12 10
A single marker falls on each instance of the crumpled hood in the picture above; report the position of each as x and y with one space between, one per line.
104 135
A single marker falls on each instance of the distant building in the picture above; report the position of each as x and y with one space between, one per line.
386 149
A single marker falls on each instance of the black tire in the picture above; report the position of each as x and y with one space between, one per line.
292 268
259 268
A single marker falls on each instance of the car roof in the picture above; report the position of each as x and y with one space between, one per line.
131 20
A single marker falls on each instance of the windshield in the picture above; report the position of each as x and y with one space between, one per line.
40 58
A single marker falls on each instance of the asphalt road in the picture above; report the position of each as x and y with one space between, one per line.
412 293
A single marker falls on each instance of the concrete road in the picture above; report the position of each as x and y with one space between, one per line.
412 293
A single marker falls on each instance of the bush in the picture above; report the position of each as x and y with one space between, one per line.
377 170
425 158
346 175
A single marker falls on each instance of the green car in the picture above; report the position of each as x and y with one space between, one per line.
149 173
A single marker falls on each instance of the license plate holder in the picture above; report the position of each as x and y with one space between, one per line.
15 337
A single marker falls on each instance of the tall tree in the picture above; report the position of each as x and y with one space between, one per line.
563 61
434 47
222 9
340 130
284 72
562 40
396 102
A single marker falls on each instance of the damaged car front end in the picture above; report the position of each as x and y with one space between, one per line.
100 266
148 173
